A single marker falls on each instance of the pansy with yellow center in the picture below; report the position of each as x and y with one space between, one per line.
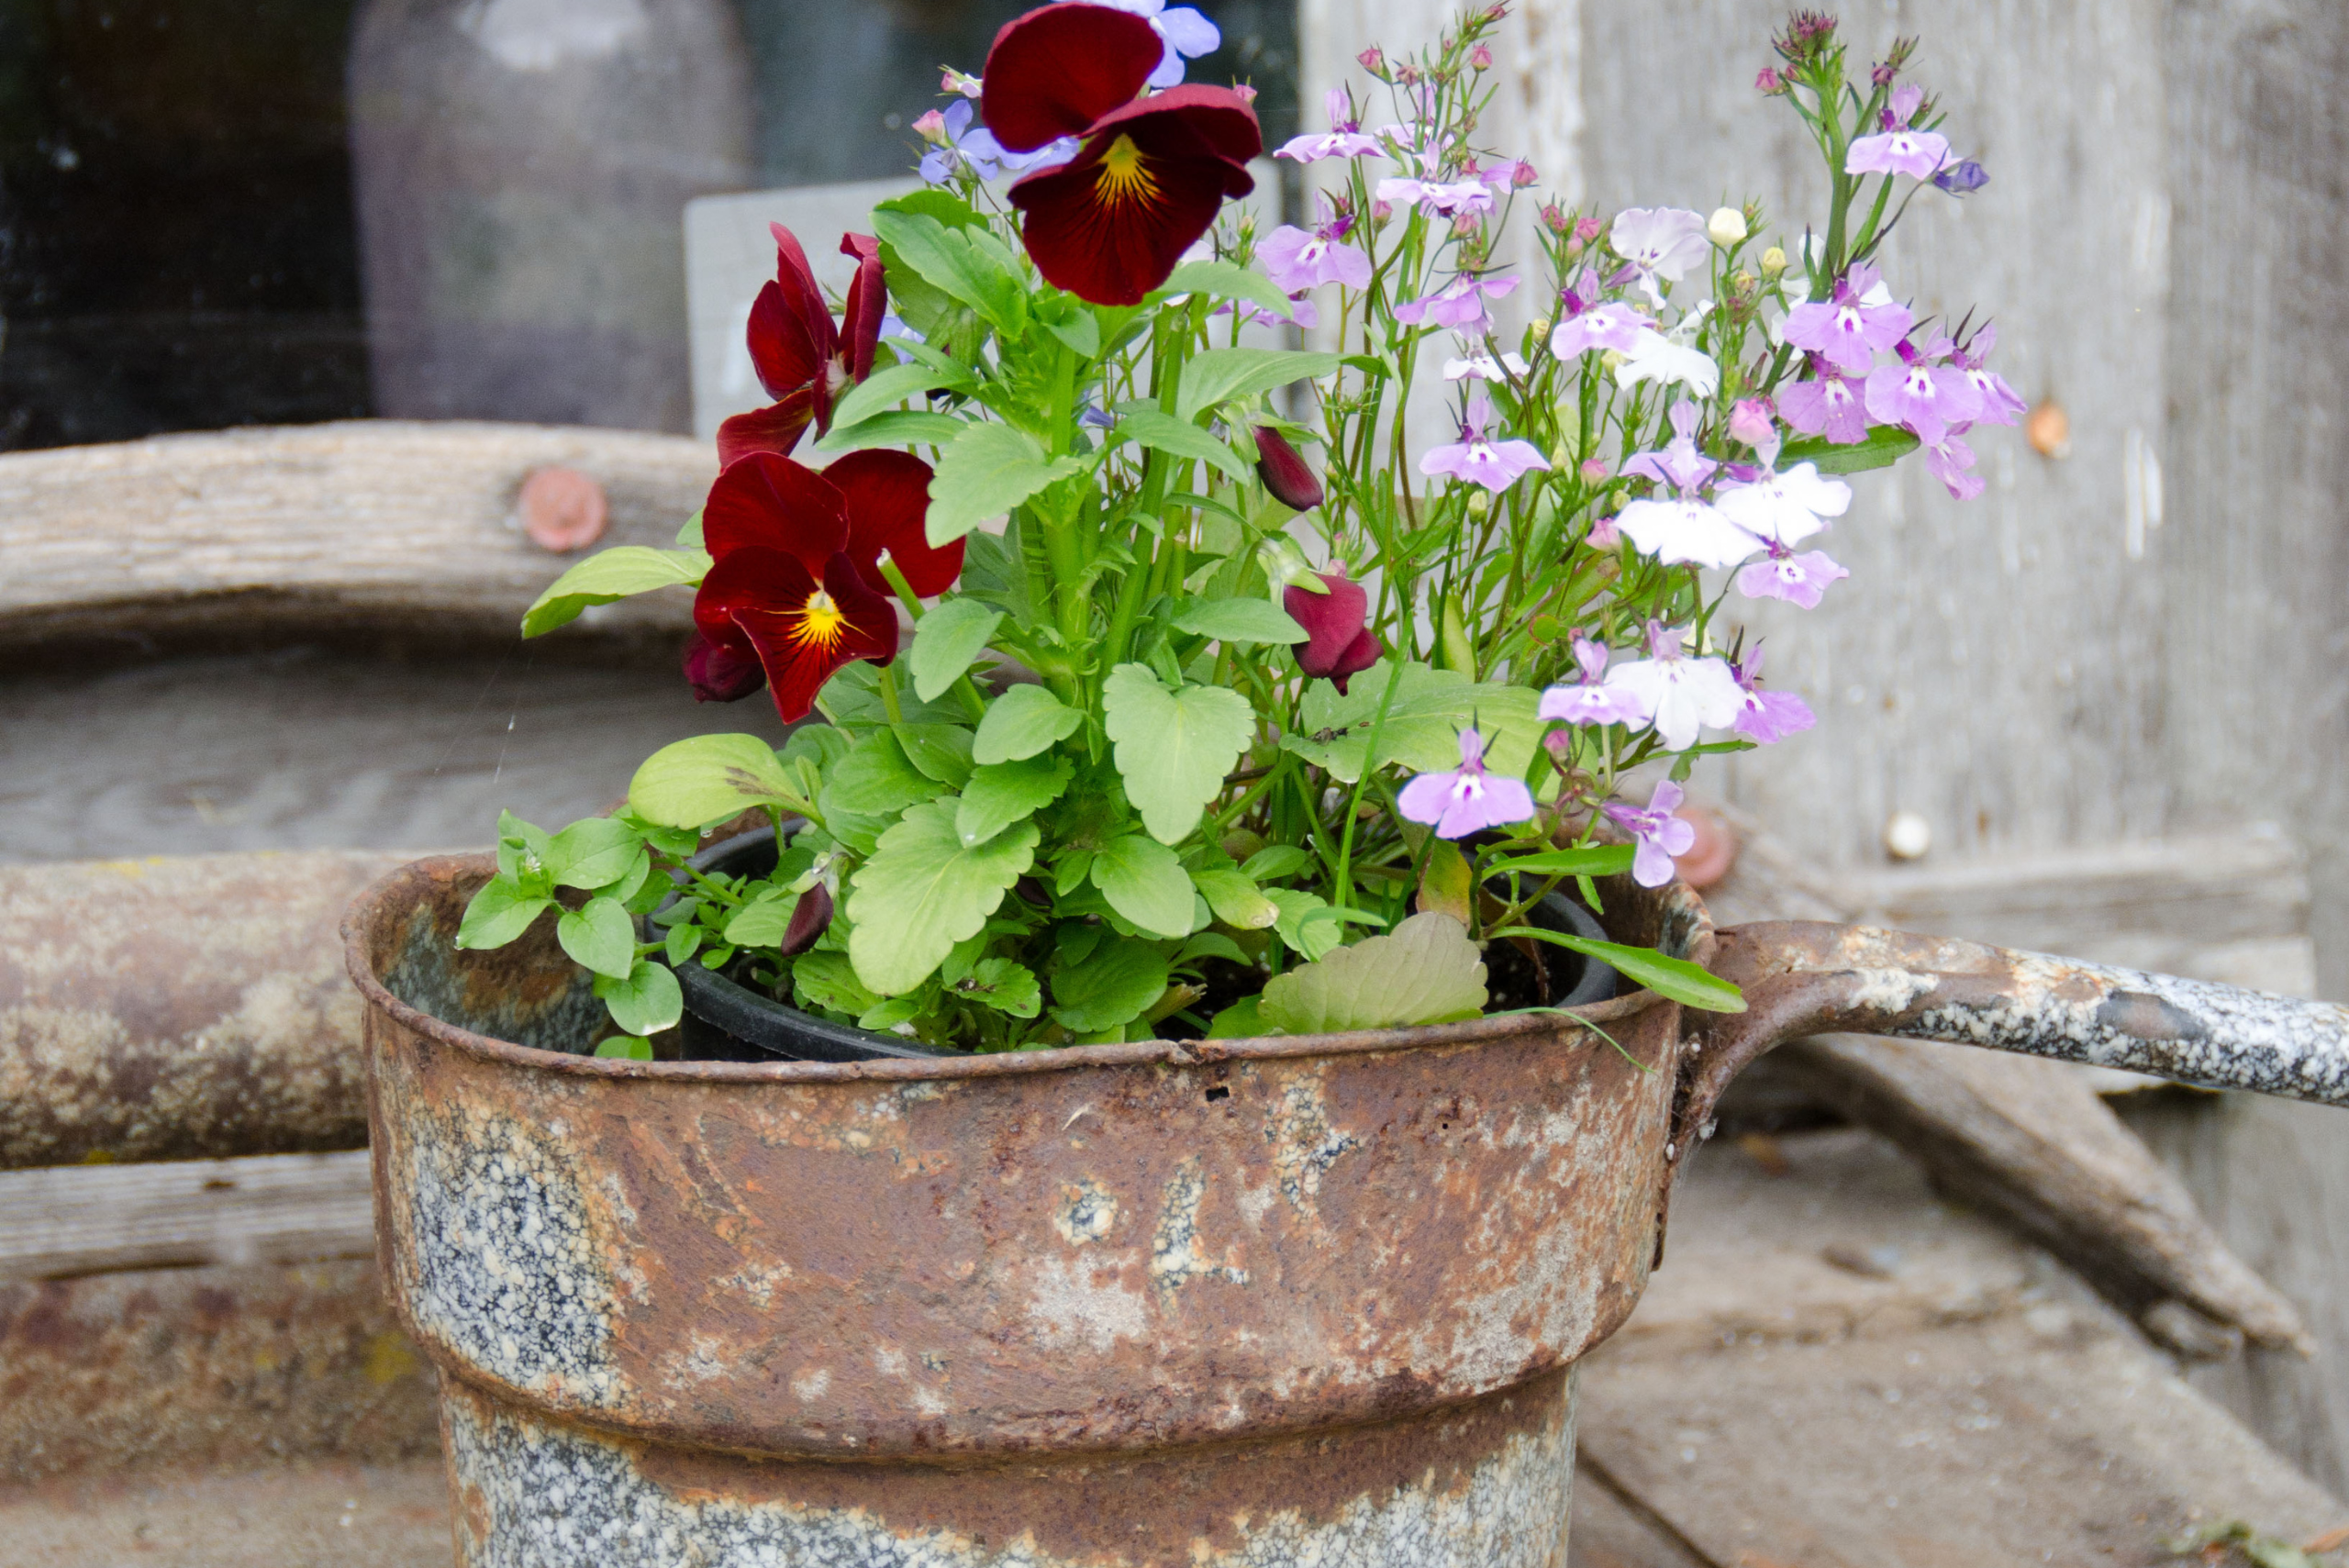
796 582
1149 173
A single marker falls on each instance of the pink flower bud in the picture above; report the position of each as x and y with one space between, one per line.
1480 58
1594 471
718 674
1604 535
1338 644
1285 473
956 80
1560 743
1243 91
931 127
1750 420
1381 211
1465 224
1767 82
1371 60
1587 230
1523 175
1554 218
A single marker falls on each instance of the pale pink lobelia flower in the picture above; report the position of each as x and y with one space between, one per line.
1659 243
1799 580
1899 150
1477 458
1459 304
1478 365
1345 138
1297 258
1767 716
1658 833
1468 798
1830 405
1850 329
1679 695
1923 392
2001 404
1951 461
1590 700
1582 327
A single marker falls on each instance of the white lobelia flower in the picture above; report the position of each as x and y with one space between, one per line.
1680 695
1654 357
1682 529
1785 508
1482 366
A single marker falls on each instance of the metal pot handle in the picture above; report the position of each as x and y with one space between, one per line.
1803 978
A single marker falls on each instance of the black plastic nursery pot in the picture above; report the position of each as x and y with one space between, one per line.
728 1021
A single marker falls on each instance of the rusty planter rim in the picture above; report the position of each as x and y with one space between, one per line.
392 889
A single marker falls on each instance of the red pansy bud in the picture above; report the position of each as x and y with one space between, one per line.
808 918
717 674
1284 471
1338 644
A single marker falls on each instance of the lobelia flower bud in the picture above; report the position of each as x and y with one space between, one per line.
1480 504
1726 227
1554 217
1540 331
1244 92
1523 175
1773 261
1374 61
931 127
1480 58
1285 473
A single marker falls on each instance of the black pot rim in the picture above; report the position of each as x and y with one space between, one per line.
746 1016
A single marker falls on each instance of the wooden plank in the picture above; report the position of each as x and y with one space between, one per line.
1832 1369
339 1516
404 524
270 1208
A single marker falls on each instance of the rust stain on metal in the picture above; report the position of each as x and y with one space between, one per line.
172 1010
1110 1248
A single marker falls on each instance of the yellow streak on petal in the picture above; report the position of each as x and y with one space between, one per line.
1123 175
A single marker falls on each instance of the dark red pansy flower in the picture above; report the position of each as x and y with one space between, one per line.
1285 477
803 360
1338 643
1149 175
796 581
717 676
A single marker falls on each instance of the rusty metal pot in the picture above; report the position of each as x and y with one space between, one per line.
1254 1301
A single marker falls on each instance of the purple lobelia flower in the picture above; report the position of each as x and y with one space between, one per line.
1460 304
2001 404
1897 149
1297 258
1659 243
1678 694
1188 35
1963 178
1480 460
1951 461
1468 798
1797 579
1767 716
1659 834
1851 329
956 148
1830 405
1590 700
1923 392
1582 327
1345 138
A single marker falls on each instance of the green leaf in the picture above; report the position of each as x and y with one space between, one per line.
707 779
689 531
1080 332
626 1047
1596 860
960 263
1021 722
1423 723
498 914
1244 1019
898 427
882 1018
937 752
1117 982
684 941
1173 748
1425 972
648 1001
1239 620
1884 445
1143 881
599 935
1179 438
1005 986
822 745
1236 900
614 573
1275 861
593 853
1297 925
1003 793
827 982
1225 280
1209 944
1221 374
923 891
1445 885
763 922
987 471
883 388
946 641
1676 978
876 779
